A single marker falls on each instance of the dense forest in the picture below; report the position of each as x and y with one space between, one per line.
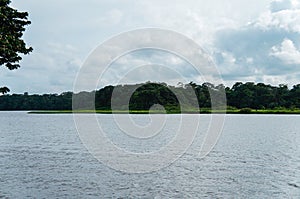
240 95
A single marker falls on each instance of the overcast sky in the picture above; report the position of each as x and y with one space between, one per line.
249 40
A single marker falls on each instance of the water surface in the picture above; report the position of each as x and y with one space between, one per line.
257 156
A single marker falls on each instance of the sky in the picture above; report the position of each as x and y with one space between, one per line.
248 40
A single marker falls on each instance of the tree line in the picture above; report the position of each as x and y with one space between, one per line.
144 96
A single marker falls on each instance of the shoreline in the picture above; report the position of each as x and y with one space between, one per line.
238 111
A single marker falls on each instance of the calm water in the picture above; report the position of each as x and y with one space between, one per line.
257 156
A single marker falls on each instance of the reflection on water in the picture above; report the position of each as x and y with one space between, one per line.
257 156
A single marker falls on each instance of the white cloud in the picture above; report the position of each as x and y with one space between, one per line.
283 14
276 80
286 52
264 50
50 68
295 3
229 59
249 60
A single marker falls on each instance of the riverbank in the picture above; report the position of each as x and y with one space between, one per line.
202 111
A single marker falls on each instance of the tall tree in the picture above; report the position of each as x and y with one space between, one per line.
12 26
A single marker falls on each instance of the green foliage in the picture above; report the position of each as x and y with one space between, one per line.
150 94
12 25
4 90
241 98
36 102
261 96
245 110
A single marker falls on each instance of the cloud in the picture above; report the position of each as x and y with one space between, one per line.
148 65
63 33
51 71
287 20
112 18
283 14
264 49
286 52
280 5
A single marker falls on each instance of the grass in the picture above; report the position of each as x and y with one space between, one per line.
93 111
202 111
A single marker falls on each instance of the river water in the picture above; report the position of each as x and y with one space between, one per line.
42 156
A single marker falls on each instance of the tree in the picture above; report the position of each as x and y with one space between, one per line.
4 90
245 96
12 26
295 96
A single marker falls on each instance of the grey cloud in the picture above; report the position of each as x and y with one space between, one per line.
85 24
255 43
279 5
150 65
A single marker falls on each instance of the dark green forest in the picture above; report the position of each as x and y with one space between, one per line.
239 96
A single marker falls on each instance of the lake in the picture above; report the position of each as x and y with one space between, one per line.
42 156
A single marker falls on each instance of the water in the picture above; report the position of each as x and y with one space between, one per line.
257 156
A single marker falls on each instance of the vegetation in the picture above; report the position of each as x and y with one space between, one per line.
241 98
12 25
245 110
204 111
